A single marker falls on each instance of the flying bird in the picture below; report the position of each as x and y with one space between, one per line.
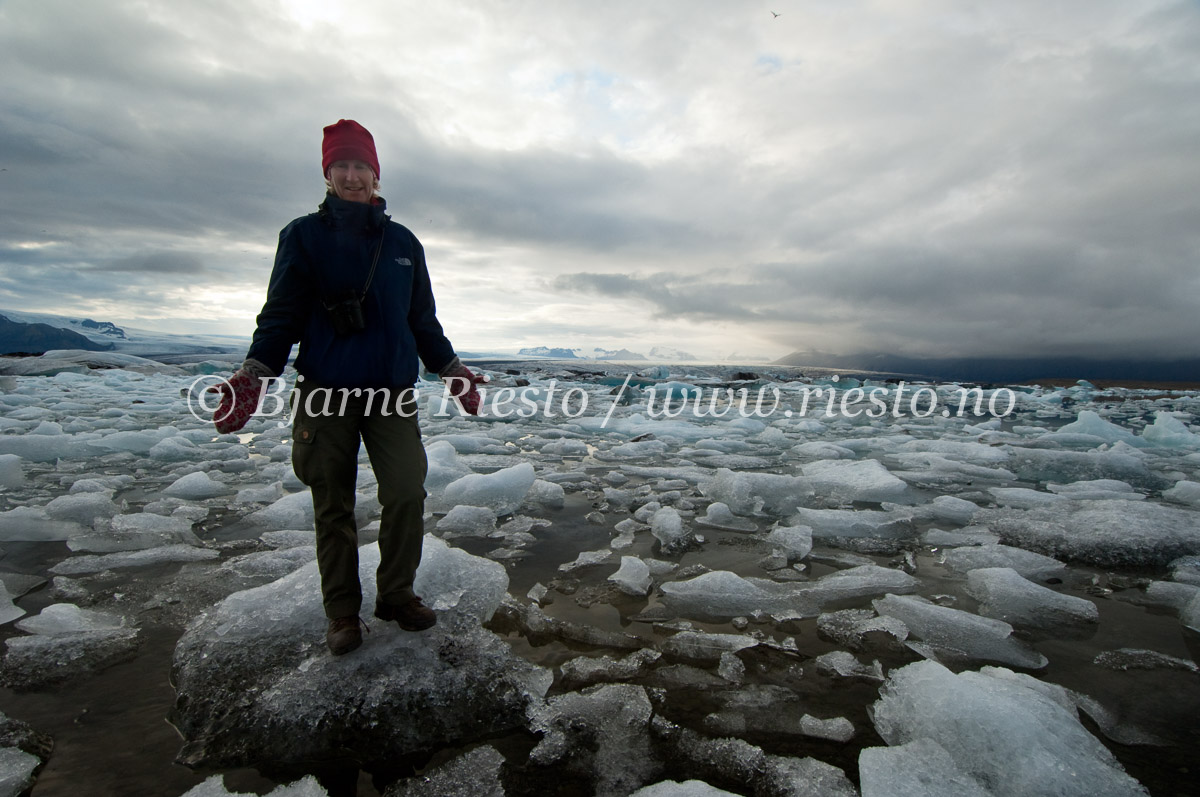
775 16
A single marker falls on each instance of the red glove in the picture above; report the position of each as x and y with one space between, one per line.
240 397
462 381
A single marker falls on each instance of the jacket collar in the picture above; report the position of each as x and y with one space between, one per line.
341 213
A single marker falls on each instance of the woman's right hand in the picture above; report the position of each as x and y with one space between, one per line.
240 396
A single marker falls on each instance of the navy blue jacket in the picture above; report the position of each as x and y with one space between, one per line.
323 256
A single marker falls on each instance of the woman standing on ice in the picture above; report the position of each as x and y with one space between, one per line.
352 287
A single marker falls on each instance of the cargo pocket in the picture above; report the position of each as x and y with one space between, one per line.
303 437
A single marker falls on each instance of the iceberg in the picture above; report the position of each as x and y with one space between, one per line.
1107 533
475 773
214 786
688 788
719 516
736 761
836 729
1097 489
949 509
1168 431
502 491
920 768
1023 497
474 520
796 542
972 535
1027 563
9 611
667 527
66 643
33 524
725 594
1122 463
1184 492
842 481
84 508
254 682
1004 594
444 467
845 665
78 565
12 475
585 670
292 511
698 646
853 522
753 493
16 770
959 635
632 577
601 733
1014 740
862 629
1090 423
196 487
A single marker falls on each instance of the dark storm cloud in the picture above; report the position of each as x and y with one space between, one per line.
158 262
1017 178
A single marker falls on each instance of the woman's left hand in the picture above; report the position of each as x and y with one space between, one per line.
462 381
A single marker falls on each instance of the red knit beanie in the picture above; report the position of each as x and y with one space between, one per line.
348 141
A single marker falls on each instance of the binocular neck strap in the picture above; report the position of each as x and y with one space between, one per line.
374 262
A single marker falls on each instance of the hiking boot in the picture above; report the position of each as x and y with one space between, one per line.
411 616
344 634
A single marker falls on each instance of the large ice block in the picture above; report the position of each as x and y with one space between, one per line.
1014 740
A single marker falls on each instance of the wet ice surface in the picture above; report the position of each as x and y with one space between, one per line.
773 604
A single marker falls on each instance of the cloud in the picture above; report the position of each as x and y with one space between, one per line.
924 178
157 262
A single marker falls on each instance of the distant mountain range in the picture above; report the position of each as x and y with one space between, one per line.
1003 370
657 354
35 333
23 332
17 337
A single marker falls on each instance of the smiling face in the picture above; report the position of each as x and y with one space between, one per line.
353 181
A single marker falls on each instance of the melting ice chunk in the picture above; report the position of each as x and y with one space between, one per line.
921 768
502 491
1170 432
688 788
1003 594
957 634
478 520
1013 739
66 618
796 542
858 480
633 577
747 493
1027 563
214 786
196 487
719 516
1105 532
667 526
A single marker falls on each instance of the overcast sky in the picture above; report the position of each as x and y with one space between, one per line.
926 178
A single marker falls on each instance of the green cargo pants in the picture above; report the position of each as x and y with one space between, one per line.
326 428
